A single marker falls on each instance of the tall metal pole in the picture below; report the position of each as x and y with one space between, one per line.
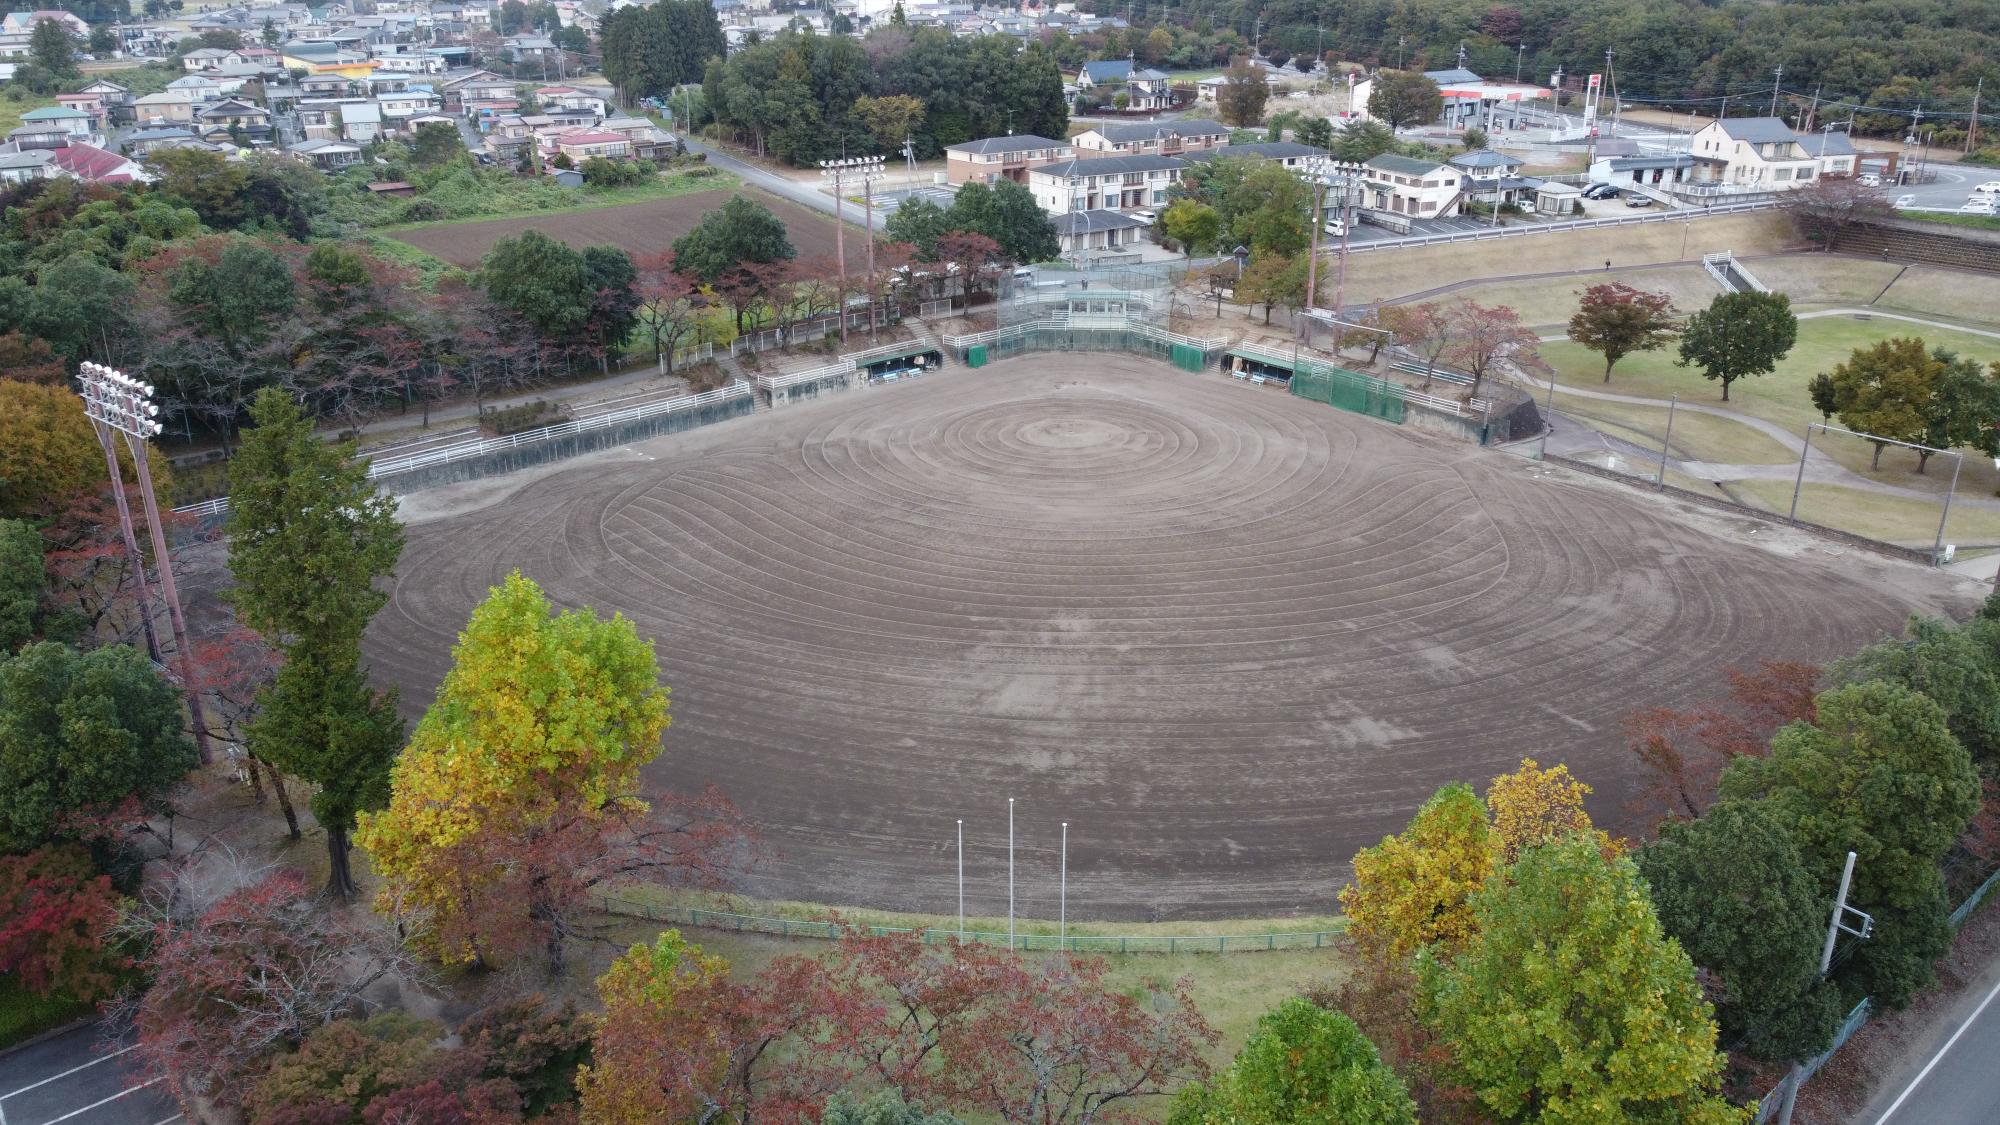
835 168
961 881
868 208
1937 548
1314 172
1793 515
137 560
1347 175
1010 873
181 653
1548 418
1661 481
1062 908
1797 1079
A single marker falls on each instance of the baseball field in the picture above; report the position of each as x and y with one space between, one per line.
1227 635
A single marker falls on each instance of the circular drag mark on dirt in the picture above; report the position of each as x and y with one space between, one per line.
1229 635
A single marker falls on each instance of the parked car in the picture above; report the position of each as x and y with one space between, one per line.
1601 191
1906 201
1869 179
1335 227
1978 206
1146 217
1639 201
1990 187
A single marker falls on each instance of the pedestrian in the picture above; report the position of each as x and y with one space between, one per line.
1607 265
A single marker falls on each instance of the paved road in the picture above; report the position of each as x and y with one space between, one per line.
1954 1080
75 1079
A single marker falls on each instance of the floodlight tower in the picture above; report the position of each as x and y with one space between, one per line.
116 402
867 169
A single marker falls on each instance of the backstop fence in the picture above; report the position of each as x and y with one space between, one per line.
1092 332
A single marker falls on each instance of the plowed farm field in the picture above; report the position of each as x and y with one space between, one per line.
638 228
1228 635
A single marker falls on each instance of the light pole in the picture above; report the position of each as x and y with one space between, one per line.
116 401
1010 873
837 172
961 881
1548 418
1062 907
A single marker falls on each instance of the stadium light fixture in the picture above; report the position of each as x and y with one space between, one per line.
836 174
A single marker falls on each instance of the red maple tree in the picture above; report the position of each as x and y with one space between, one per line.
1685 752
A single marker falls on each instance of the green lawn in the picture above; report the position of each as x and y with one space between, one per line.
1781 396
1896 519
24 1015
666 186
1978 222
1698 437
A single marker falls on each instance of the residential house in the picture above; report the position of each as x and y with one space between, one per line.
1644 169
1143 87
649 141
94 165
329 156
414 123
1494 177
39 135
1082 234
553 98
199 87
19 165
1002 158
1418 189
1753 154
202 58
90 105
145 41
360 122
1835 152
72 122
145 142
166 107
23 23
234 117
328 86
1162 138
399 108
582 144
1105 183
1290 154
529 48
570 118
106 92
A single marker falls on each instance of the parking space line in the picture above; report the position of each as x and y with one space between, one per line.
100 1101
66 1073
169 1120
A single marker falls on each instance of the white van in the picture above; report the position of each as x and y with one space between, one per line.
1870 179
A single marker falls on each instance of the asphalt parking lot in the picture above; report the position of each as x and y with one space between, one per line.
77 1079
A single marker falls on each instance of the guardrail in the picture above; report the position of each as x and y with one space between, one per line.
1544 228
378 468
823 930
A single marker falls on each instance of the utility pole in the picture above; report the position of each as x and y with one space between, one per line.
1520 56
1972 124
1010 873
1834 929
1400 41
869 169
1812 115
1780 77
1461 54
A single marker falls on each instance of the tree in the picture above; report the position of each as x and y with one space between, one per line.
309 537
235 979
1007 213
23 578
890 119
1615 320
1424 329
1570 1004
518 795
1732 888
1883 390
1951 666
1533 806
1824 208
1273 280
1878 773
1962 409
1473 139
48 451
51 48
1240 101
1685 752
663 1049
541 279
80 733
1403 97
1482 335
1824 398
920 223
54 912
1412 889
1739 334
1362 139
1273 213
1317 132
436 143
1196 226
344 1066
1304 1065
741 232
611 283
669 309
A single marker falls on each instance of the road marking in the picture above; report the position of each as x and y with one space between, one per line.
66 1073
1911 1088
168 1120
101 1101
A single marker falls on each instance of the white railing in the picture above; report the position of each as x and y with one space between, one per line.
1717 266
769 383
379 468
1014 332
1542 228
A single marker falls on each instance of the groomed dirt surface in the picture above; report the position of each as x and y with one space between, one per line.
1230 636
638 228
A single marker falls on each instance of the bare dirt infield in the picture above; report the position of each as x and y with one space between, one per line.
1230 636
638 228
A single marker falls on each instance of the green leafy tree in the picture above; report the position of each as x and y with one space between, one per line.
1273 280
1739 334
1615 320
1732 888
541 279
1824 398
1570 1005
22 580
720 250
1877 773
1952 666
1884 388
1196 226
886 1107
1274 215
80 732
309 537
1317 132
1473 139
1404 97
1304 1065
436 143
51 48
1362 140
1964 404
920 223
1007 213
236 297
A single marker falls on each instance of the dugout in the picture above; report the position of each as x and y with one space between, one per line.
1259 369
919 359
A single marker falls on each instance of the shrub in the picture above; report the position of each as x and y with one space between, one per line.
518 419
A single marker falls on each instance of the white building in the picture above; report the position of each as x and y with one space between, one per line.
1106 183
1417 189
1759 153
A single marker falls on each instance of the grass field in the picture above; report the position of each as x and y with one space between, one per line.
1951 295
1825 279
1547 303
664 187
1910 522
1698 437
24 1015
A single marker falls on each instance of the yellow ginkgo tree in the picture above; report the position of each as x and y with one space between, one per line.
520 793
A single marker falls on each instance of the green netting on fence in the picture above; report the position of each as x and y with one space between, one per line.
1349 390
1188 358
1040 942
